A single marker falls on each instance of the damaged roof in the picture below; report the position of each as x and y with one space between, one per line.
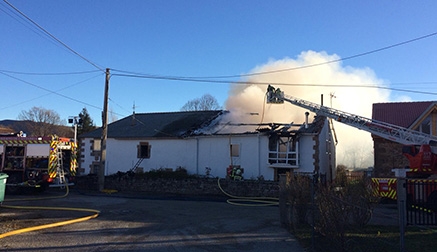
158 125
315 126
191 123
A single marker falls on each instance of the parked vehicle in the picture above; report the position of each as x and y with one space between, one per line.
419 148
36 162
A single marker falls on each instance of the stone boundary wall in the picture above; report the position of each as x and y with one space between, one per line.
183 187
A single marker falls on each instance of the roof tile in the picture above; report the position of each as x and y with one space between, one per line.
151 125
399 113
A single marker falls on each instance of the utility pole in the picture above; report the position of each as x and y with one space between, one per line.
101 174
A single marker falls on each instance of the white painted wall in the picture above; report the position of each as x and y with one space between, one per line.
121 155
327 151
214 153
197 153
194 154
306 153
326 148
323 150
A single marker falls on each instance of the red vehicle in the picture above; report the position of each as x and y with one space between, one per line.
36 162
418 149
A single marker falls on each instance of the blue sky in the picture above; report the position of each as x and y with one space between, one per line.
201 39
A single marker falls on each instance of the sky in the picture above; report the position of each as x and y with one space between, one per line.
162 54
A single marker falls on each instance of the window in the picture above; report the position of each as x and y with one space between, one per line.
283 151
96 144
425 126
144 150
95 167
235 150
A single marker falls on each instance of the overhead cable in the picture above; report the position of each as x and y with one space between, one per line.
33 73
272 83
50 91
299 67
53 37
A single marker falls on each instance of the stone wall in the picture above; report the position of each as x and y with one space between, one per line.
182 186
388 156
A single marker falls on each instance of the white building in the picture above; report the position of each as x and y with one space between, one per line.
199 141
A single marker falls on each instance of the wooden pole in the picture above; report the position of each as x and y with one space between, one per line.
101 174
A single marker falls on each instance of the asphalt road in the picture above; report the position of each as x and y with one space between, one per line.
145 224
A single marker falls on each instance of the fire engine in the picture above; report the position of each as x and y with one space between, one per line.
36 162
419 148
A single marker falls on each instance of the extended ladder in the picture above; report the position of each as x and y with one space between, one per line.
60 166
385 130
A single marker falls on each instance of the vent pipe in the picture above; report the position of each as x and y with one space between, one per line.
133 115
133 119
306 119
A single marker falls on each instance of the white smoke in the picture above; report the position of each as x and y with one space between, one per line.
355 147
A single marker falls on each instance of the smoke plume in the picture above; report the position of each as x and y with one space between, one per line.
247 101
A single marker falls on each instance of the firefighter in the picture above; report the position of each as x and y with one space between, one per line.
237 173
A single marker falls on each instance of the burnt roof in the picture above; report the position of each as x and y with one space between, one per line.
402 114
157 125
315 127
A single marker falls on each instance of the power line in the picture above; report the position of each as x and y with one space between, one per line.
223 76
33 73
14 15
53 37
415 83
196 79
118 105
56 92
50 91
272 83
207 79
345 58
36 98
293 68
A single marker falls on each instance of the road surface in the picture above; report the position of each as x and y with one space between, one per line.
136 223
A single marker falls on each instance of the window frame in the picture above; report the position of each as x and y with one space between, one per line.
144 153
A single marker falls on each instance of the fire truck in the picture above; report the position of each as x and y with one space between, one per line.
36 162
419 148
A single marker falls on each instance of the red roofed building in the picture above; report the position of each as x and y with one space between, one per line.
420 116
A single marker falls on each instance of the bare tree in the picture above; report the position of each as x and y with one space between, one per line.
206 102
41 121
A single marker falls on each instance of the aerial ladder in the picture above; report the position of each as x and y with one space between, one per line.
385 130
423 162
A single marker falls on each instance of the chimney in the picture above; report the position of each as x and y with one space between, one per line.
133 119
306 119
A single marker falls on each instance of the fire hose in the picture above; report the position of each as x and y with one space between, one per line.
248 201
50 225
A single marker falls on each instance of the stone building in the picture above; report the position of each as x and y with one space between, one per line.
420 116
